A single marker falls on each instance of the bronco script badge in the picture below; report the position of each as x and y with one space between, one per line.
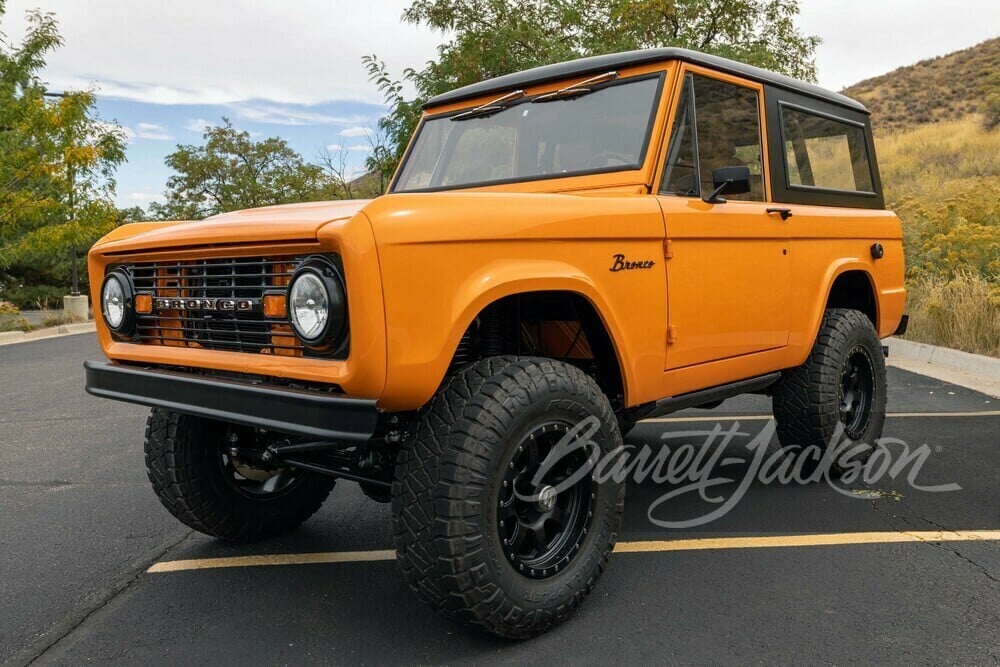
622 264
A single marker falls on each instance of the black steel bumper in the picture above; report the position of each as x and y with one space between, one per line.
292 411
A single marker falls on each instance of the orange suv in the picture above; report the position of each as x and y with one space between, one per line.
562 252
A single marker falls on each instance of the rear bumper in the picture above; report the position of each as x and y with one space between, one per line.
903 323
298 412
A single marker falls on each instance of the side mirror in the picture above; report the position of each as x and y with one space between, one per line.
728 181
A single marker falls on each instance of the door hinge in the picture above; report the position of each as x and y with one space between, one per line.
671 334
668 249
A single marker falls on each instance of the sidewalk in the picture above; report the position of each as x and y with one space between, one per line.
11 337
972 371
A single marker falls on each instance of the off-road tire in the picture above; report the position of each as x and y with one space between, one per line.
446 483
807 399
182 464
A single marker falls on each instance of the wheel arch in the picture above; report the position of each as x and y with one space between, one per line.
555 286
854 288
848 284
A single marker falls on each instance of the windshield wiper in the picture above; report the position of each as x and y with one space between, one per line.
577 89
491 107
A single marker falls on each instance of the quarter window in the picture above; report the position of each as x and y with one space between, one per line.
717 124
825 153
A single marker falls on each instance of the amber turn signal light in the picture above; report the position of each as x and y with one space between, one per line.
143 303
274 305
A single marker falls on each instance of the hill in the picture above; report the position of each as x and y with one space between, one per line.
941 171
946 88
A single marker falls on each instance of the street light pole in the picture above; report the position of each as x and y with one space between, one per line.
74 271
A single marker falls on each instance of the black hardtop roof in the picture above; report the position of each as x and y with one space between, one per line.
598 64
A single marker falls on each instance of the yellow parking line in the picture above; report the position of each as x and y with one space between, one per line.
822 540
748 418
828 539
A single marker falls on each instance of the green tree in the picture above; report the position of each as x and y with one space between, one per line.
57 161
232 171
490 38
132 214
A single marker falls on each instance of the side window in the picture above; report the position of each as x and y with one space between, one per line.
825 153
717 124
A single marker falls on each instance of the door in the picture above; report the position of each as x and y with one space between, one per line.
728 267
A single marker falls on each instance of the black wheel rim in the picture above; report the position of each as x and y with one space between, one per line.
246 474
857 393
544 522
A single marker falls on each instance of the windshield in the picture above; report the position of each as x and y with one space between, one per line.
605 129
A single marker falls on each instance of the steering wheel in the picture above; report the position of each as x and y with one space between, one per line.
609 159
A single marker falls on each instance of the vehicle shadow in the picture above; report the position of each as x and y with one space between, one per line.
343 611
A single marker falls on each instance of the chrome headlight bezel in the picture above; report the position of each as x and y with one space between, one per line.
323 273
126 326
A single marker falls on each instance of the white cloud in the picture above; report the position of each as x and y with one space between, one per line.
309 52
355 148
151 131
138 92
356 131
140 198
277 114
196 52
198 125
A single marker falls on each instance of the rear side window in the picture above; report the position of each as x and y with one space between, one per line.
825 153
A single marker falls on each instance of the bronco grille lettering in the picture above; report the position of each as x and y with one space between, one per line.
229 305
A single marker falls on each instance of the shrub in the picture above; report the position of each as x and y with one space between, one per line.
10 318
962 313
991 111
28 296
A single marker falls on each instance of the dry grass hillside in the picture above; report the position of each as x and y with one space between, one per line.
939 89
941 172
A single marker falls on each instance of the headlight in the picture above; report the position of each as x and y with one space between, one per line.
316 303
117 302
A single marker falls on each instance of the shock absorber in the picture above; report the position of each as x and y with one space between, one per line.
491 335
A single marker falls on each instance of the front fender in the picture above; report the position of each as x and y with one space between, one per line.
444 258
421 350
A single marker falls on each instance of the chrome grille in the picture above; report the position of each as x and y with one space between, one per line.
246 279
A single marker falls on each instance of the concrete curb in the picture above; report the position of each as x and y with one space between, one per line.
11 337
972 371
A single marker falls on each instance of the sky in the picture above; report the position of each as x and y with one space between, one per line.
165 69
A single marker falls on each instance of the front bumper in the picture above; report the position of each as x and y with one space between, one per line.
293 411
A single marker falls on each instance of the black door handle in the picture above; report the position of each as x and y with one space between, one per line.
785 213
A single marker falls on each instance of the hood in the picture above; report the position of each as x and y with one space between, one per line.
283 223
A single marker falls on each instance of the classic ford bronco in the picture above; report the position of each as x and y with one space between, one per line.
562 252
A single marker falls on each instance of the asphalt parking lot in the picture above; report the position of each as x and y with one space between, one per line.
79 528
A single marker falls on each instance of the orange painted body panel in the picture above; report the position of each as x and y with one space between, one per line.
742 293
362 374
446 256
